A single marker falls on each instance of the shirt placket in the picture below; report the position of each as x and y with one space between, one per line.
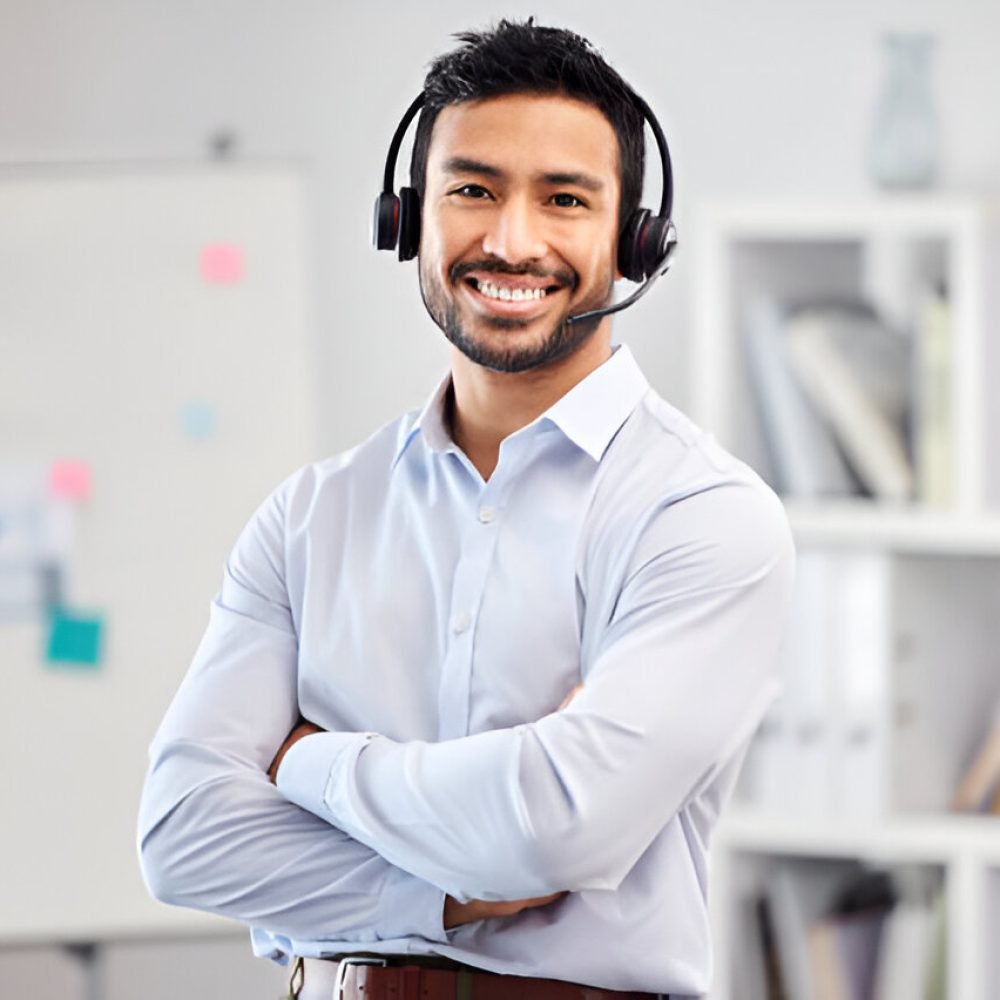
471 574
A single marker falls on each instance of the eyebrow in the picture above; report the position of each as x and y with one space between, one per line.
575 179
464 165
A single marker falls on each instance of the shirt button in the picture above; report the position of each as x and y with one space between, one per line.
486 514
461 623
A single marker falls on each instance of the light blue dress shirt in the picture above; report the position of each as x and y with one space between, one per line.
433 623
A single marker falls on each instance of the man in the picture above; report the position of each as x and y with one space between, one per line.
532 627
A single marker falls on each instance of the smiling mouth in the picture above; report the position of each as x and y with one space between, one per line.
509 295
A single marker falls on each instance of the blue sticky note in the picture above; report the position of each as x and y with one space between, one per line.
74 639
198 419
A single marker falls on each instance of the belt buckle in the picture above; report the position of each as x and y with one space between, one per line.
342 966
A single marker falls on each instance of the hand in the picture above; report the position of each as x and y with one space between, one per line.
570 697
302 728
456 913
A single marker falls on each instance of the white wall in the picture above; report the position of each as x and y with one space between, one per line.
757 98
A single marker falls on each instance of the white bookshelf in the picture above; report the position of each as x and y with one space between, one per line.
933 840
932 647
851 523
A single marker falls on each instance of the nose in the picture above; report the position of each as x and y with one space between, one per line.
516 233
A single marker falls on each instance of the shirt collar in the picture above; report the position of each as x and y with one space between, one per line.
590 414
430 423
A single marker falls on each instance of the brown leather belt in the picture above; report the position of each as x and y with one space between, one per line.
419 978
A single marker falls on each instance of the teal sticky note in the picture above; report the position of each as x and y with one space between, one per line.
74 639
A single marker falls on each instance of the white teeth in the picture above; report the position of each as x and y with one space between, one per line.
506 294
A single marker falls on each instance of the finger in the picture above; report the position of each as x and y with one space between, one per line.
541 900
570 696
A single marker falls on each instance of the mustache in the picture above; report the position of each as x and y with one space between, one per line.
561 276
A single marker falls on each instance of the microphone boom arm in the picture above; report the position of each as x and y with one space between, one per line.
634 297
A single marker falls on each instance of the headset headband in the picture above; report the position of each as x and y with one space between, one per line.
666 195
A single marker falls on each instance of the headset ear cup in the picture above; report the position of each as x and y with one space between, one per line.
385 223
657 241
630 256
409 223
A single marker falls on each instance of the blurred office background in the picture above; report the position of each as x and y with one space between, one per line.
190 307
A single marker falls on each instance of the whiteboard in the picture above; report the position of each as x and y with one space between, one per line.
185 386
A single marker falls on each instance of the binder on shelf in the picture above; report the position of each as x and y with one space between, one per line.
822 750
788 768
858 637
809 761
763 782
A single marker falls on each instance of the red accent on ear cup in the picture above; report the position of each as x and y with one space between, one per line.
644 245
409 223
385 224
655 240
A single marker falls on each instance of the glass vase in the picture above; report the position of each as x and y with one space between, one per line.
904 140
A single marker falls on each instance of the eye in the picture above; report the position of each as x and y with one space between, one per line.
565 200
475 191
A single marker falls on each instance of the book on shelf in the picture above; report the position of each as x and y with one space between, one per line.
979 788
827 931
857 373
797 896
933 404
843 952
769 983
851 932
907 952
936 987
803 453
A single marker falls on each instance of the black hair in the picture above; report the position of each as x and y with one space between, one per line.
525 58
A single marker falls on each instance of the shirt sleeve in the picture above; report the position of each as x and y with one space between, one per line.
685 671
214 833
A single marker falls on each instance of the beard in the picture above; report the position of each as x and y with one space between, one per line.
558 341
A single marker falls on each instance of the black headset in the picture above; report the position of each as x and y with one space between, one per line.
646 243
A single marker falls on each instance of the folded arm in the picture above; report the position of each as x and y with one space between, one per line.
684 674
214 833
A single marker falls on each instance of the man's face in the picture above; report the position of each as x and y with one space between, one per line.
519 226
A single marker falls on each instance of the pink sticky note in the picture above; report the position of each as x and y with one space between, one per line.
222 264
70 479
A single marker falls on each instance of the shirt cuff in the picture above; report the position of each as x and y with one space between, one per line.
314 770
314 774
409 906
